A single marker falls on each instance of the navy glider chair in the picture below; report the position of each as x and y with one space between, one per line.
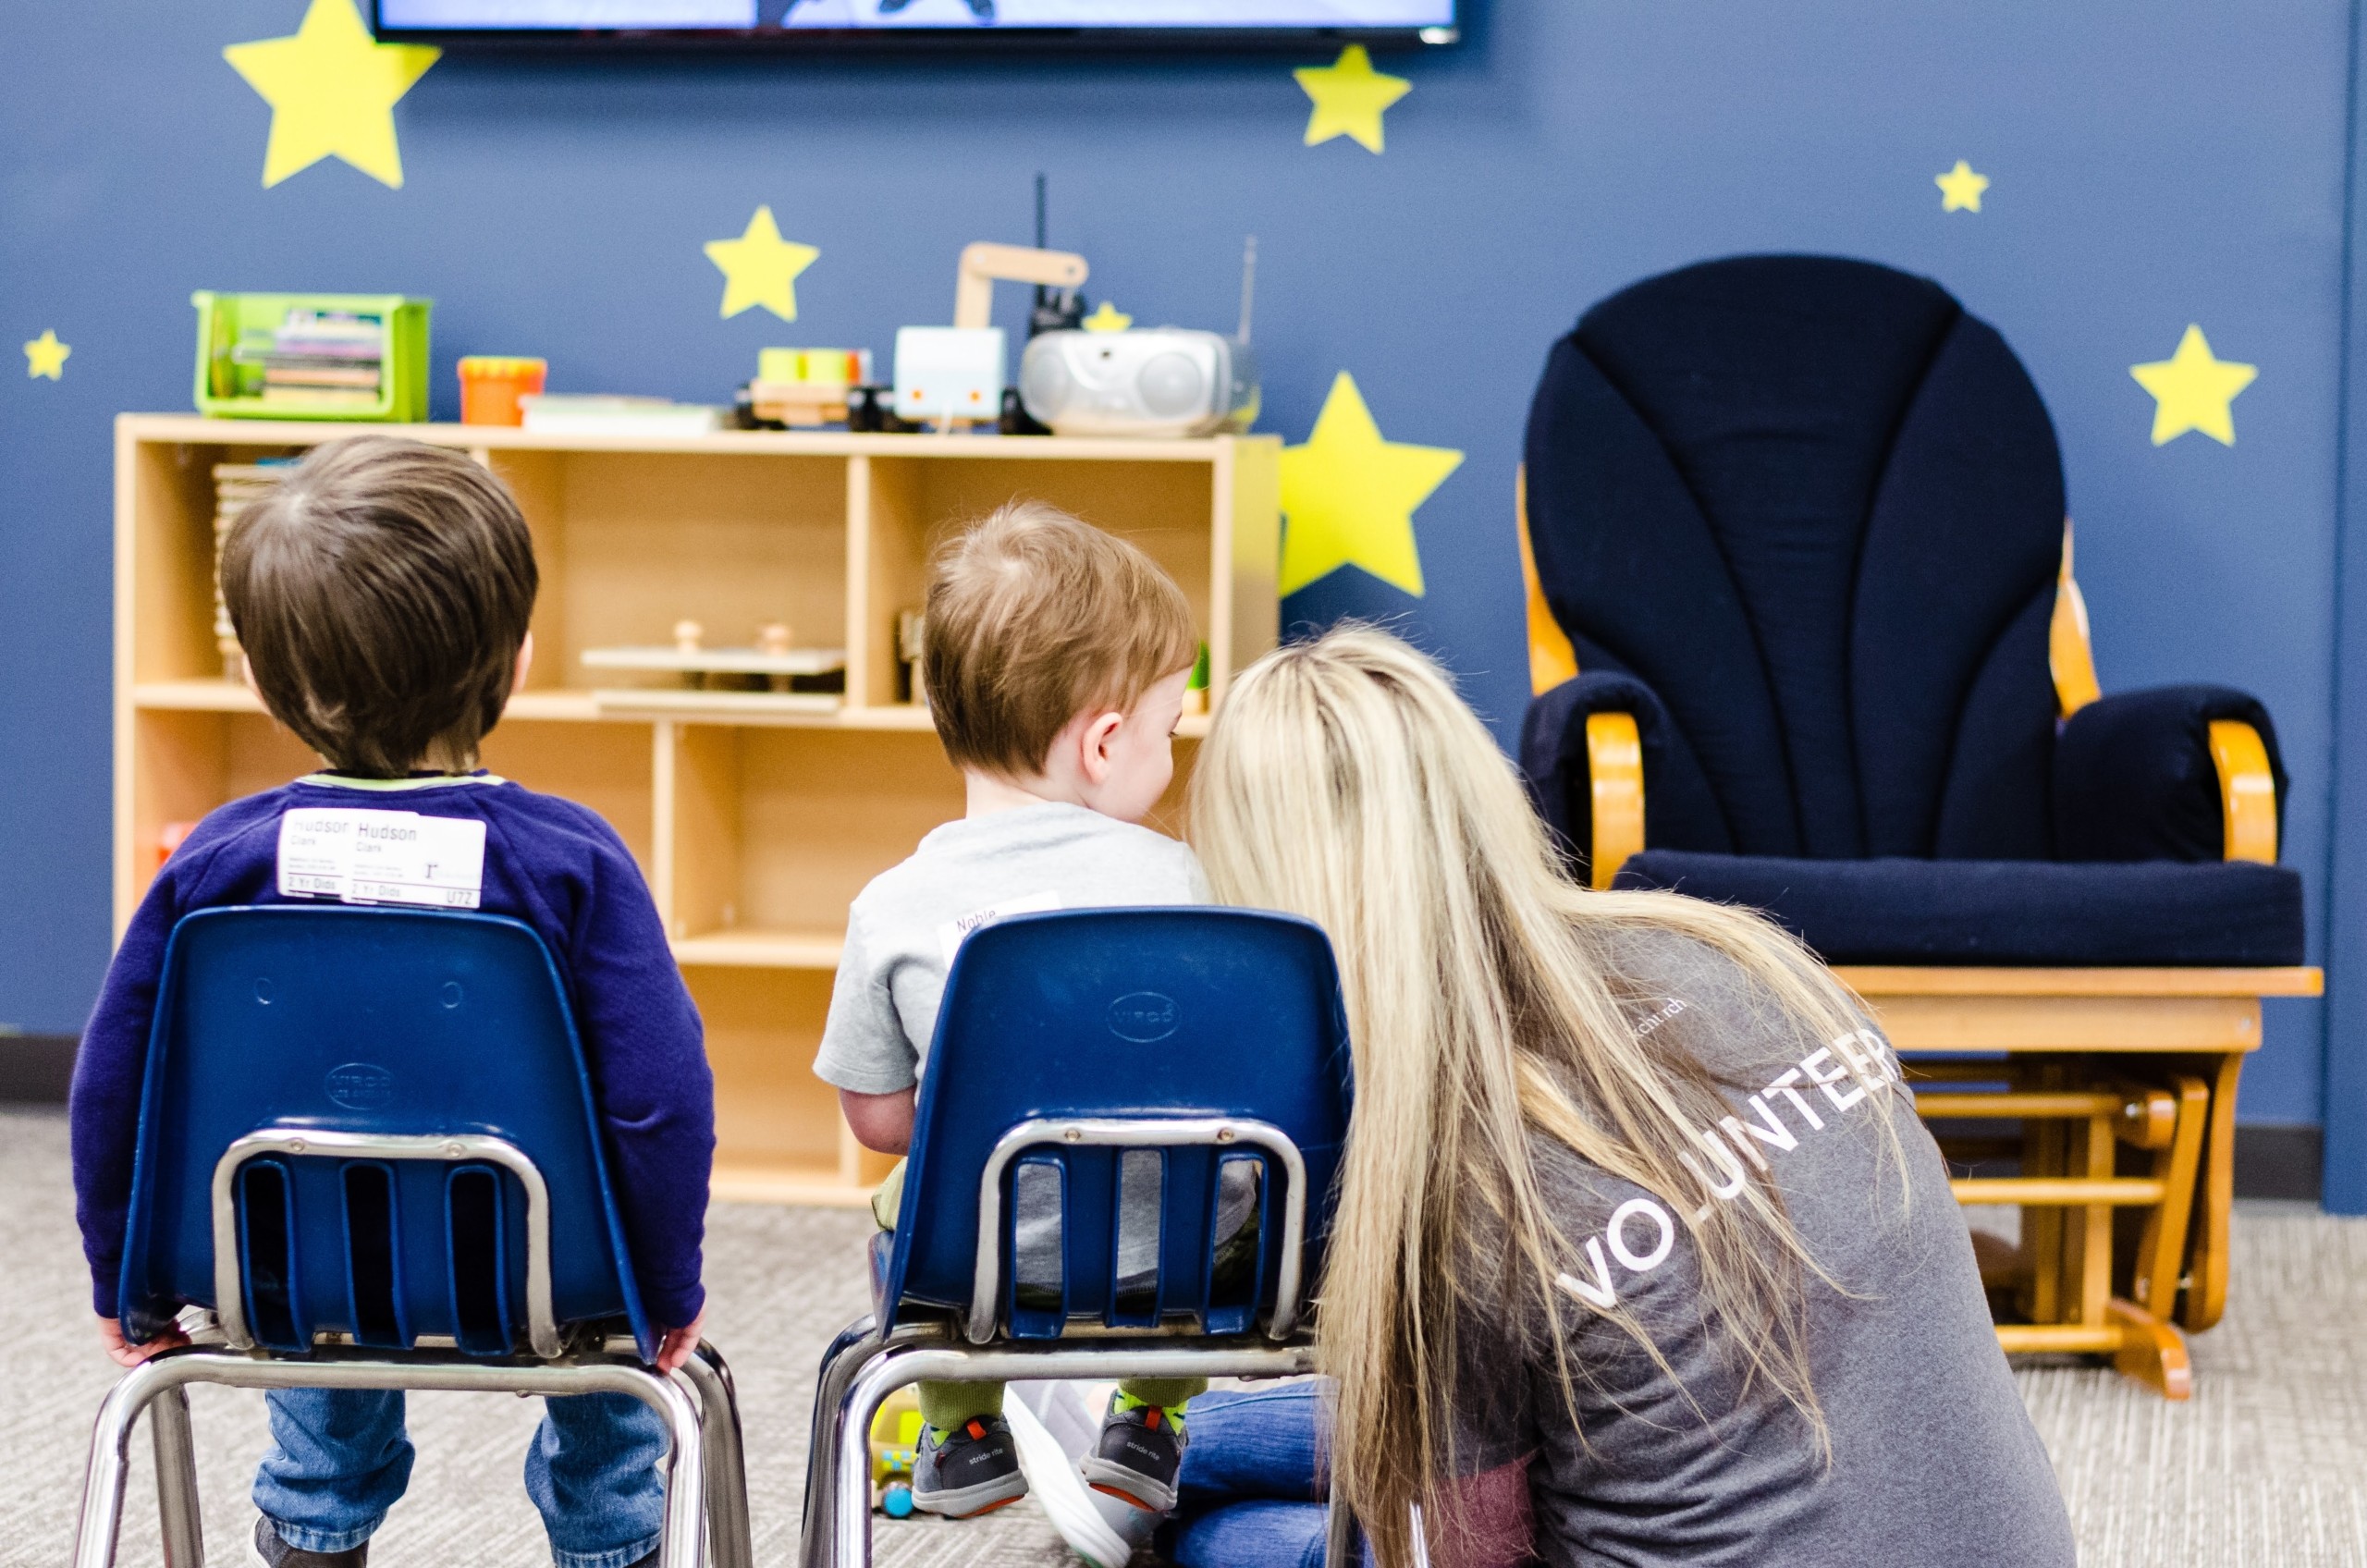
1798 541
368 1154
1805 637
1199 1055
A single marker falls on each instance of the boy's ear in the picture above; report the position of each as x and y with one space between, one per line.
525 663
1093 745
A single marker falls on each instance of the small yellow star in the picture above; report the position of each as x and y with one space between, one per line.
332 90
46 356
1107 317
1960 188
1349 96
2191 390
1349 496
760 267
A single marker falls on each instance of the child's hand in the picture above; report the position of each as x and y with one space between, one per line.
679 1343
125 1353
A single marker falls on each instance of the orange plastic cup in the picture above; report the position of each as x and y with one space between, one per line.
492 384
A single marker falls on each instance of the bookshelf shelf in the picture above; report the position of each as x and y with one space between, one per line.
754 949
755 817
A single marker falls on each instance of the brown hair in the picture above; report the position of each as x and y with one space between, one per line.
381 591
1033 617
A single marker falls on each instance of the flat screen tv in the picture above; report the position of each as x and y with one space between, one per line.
791 21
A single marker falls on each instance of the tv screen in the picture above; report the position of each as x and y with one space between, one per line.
1430 21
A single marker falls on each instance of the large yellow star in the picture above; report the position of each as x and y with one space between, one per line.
332 90
760 267
46 356
1960 188
1349 96
1349 496
2191 390
1107 317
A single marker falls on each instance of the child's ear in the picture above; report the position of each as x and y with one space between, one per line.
1093 745
525 663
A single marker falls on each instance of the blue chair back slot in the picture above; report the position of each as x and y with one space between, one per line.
373 1022
1151 1014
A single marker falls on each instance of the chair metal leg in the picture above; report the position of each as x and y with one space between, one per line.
853 1349
683 1545
685 1542
1339 1530
102 1478
730 1540
177 1505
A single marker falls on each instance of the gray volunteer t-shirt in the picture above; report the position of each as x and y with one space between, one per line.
905 927
1934 1462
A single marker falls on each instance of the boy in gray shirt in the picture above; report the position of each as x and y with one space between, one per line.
1055 659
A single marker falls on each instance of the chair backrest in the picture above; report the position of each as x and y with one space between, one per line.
1212 1034
1819 509
385 1115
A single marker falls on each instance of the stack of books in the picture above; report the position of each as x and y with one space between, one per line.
236 486
319 359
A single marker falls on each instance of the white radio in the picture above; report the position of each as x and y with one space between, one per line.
1157 381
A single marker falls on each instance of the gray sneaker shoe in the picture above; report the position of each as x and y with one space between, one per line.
267 1550
1141 1449
967 1471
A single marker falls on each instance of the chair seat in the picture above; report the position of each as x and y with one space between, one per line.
1997 912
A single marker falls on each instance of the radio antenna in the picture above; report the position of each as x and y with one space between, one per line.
1039 232
1248 282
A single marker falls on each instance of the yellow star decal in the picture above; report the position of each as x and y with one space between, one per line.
1960 188
46 356
1107 317
760 267
2191 390
332 89
1349 496
1349 96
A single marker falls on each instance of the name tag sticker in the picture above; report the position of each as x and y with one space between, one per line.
381 857
950 935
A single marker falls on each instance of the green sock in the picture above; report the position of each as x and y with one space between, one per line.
1170 1394
948 1405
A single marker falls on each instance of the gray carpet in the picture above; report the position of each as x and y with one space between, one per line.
2265 1468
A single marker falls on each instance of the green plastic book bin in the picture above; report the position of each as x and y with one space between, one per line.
312 356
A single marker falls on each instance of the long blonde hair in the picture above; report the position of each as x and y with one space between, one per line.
1346 781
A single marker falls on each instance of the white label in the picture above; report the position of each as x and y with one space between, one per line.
381 857
950 935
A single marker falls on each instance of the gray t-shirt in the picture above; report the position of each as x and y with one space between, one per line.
905 927
1935 1464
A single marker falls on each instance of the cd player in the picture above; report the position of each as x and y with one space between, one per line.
1157 381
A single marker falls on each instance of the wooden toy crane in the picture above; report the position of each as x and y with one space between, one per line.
984 264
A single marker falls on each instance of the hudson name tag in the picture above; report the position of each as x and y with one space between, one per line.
381 857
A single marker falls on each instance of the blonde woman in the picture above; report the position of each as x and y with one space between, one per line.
1641 1256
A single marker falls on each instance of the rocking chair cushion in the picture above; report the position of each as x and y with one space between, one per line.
2040 913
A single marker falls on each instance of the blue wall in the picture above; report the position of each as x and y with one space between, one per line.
2153 164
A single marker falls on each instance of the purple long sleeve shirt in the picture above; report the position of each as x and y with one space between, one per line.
549 863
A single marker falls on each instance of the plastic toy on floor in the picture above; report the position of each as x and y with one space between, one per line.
895 1435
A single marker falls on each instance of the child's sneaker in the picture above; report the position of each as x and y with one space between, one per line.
1141 1446
267 1550
967 1471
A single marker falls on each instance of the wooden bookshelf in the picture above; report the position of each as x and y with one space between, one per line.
756 820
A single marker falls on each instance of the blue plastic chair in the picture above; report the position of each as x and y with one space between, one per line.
367 1144
1201 1053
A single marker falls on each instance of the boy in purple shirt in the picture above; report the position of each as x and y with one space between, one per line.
382 596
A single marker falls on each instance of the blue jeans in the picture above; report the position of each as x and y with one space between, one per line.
339 1458
1250 1493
